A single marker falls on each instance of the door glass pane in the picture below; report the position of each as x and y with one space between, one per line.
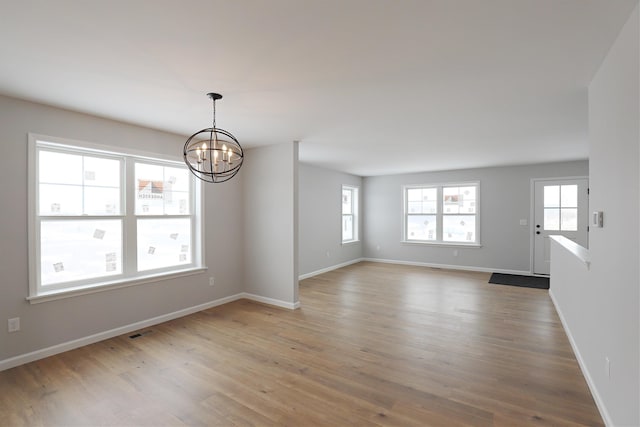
421 227
163 242
569 196
80 249
459 228
347 227
569 219
551 196
551 219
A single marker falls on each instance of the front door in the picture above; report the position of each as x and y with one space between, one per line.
560 208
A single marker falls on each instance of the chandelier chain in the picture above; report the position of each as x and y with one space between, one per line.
214 113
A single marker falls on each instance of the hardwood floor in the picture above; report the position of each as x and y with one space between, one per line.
373 344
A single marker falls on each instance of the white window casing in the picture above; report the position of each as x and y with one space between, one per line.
102 218
442 214
350 208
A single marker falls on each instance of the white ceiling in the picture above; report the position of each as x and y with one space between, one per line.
368 87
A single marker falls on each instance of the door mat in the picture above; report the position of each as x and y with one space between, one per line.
522 281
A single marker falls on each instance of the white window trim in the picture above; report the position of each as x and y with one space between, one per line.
355 208
36 293
440 214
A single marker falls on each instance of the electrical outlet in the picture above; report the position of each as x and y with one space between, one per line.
455 252
212 281
13 325
607 367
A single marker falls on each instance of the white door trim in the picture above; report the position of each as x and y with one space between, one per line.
532 213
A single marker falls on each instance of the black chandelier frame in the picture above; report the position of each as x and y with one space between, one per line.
213 154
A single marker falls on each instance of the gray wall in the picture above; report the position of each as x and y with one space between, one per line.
60 321
600 306
270 223
505 199
320 209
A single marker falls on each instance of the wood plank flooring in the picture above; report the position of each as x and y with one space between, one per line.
373 344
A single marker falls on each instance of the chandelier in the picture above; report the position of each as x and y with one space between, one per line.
213 154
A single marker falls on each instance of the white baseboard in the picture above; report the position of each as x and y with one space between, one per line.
327 269
583 367
80 342
449 266
271 301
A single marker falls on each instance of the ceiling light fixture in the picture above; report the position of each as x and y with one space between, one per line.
213 154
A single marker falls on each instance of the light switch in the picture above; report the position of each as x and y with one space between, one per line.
597 219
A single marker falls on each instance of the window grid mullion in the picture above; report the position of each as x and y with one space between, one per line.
82 194
439 216
129 230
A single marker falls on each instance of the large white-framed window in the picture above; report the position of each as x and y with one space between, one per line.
442 214
103 217
349 214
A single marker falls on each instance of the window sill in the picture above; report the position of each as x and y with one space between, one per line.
350 242
108 286
442 244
